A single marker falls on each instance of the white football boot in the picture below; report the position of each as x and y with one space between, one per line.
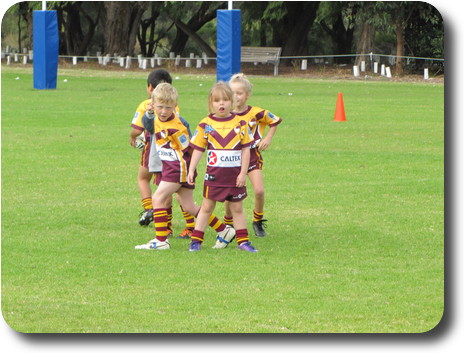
154 244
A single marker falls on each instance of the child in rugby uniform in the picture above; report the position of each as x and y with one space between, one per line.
172 144
149 167
258 119
227 138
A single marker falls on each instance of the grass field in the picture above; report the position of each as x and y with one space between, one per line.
355 210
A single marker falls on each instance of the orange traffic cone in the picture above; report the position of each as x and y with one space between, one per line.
340 109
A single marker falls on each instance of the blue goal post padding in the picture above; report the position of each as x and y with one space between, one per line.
45 45
229 39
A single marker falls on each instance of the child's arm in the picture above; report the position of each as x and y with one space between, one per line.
264 144
133 135
241 179
148 119
196 156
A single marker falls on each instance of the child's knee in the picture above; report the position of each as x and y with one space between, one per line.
259 192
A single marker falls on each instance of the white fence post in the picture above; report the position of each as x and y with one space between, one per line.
389 74
304 64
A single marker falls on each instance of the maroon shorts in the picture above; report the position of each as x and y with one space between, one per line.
157 178
256 160
173 176
145 155
222 194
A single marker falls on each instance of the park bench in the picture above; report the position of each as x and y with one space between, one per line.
263 55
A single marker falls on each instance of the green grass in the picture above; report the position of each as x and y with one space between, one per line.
355 209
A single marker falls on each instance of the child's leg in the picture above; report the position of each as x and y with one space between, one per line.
203 219
143 182
161 199
188 217
241 231
257 181
185 197
228 219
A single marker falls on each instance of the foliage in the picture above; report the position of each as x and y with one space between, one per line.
355 210
339 27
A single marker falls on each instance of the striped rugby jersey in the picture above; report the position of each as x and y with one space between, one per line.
224 140
258 119
172 145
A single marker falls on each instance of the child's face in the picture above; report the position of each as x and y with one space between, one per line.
163 110
240 95
221 105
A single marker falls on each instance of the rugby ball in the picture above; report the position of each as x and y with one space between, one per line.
140 142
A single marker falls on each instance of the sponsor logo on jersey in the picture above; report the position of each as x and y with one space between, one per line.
184 141
212 158
272 116
209 129
224 158
167 154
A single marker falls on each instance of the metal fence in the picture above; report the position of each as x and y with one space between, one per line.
374 63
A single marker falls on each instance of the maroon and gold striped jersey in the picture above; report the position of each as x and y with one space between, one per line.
224 139
172 145
258 119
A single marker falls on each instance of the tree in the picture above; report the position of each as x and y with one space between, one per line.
79 21
337 19
397 16
123 20
146 35
201 13
290 22
365 21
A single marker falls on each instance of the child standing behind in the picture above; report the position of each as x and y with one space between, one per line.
258 119
172 143
227 139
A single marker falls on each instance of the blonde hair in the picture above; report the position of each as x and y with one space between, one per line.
241 78
165 93
220 89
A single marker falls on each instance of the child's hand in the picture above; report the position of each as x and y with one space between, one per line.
150 107
264 144
191 178
241 180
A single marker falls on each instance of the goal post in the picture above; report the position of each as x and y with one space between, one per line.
45 45
229 39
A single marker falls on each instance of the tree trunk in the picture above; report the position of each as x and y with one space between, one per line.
366 42
399 48
291 31
201 43
123 21
205 14
342 37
